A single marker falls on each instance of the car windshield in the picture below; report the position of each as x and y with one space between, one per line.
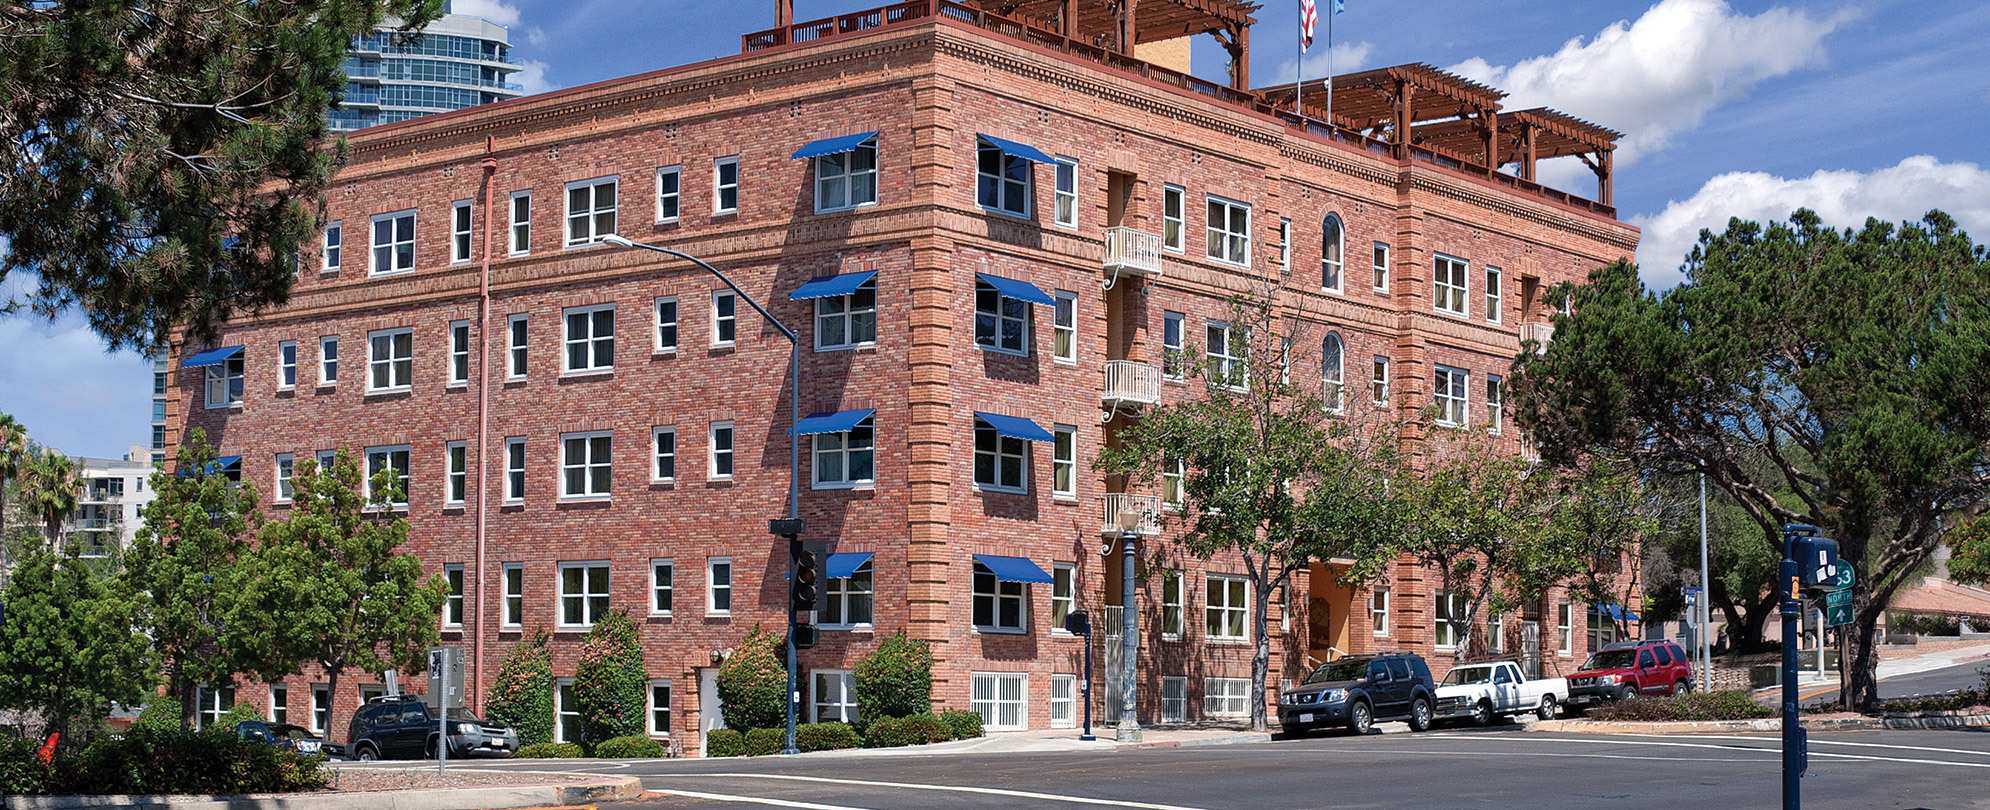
1346 669
1459 677
1610 659
462 714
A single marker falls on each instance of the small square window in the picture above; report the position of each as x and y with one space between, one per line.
1001 463
1002 180
1227 607
224 382
583 593
590 210
846 180
847 321
393 461
999 606
847 459
390 360
1451 393
393 243
1001 323
585 469
590 339
1449 284
834 697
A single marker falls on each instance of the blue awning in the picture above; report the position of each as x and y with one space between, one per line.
1013 569
1021 150
830 286
1615 612
211 357
843 565
831 146
1019 290
222 464
838 422
1015 427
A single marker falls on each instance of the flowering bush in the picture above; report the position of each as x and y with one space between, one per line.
522 695
753 682
895 680
610 682
629 748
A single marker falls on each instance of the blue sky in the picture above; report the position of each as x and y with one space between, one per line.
1752 109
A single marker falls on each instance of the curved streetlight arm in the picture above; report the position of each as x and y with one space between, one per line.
619 240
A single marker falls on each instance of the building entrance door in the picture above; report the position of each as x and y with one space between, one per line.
711 713
1530 648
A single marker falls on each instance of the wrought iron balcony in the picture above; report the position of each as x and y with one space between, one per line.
1122 511
1129 382
1132 252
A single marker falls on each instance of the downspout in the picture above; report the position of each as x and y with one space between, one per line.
483 422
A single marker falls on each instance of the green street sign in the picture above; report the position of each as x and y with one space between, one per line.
1845 578
1838 615
1838 598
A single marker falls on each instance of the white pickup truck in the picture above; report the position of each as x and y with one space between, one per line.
1494 689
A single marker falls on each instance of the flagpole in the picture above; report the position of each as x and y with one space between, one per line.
1299 64
1332 10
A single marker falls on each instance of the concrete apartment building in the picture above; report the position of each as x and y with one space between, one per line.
460 61
987 230
114 491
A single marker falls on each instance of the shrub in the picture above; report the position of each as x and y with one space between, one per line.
753 682
885 732
522 694
162 714
763 741
925 728
1729 705
21 772
151 760
629 748
724 742
239 712
610 682
550 750
965 725
824 736
896 679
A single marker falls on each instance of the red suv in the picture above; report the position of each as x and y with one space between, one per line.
1627 668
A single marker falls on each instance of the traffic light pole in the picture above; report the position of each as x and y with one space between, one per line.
794 695
1793 736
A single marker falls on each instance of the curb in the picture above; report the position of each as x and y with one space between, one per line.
1238 739
505 796
1769 724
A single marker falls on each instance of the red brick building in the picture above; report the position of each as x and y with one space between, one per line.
991 235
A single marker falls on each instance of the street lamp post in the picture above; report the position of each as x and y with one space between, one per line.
1128 730
794 446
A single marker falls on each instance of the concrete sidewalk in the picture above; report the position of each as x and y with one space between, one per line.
1807 679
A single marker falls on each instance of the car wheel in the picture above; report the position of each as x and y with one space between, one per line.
1547 709
1360 718
1420 715
367 754
1685 685
1482 714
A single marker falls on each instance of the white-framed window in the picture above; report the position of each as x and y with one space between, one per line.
1064 461
1449 285
1066 196
583 593
666 324
1173 330
663 576
718 586
1333 244
390 360
1064 329
514 469
452 608
393 460
457 488
1174 699
846 180
585 467
459 353
1378 381
1226 697
459 232
590 339
521 222
321 707
1496 633
1173 218
1173 471
334 247
1001 323
659 708
664 445
590 210
847 321
1285 360
1000 606
328 360
1495 401
1493 302
326 458
1002 180
1378 611
286 364
1227 607
279 703
1223 355
848 459
848 602
1451 393
518 336
1063 594
669 193
998 698
211 703
566 708
224 382
1564 628
1333 373
1447 616
393 243
1171 604
1284 244
514 596
721 450
1001 463
725 185
1063 701
725 318
285 467
834 696
1381 266
1229 231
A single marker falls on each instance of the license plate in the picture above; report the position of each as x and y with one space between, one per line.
1305 718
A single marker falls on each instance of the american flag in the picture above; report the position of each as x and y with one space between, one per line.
1308 16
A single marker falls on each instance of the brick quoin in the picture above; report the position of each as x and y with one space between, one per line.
928 87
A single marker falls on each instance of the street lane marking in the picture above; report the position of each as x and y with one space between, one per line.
723 797
1017 794
1964 751
1765 749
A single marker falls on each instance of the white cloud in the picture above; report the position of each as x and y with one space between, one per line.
1843 199
1661 74
496 11
1348 58
536 36
533 77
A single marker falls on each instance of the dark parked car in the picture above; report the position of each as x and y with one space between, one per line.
1359 690
1629 668
284 735
401 727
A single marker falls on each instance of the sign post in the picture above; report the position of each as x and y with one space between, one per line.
445 692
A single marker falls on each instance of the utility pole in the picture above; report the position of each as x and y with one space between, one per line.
1706 610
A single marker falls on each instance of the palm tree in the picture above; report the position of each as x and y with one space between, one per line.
13 453
50 487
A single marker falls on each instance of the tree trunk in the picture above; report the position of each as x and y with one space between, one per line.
183 688
1260 653
1859 682
331 701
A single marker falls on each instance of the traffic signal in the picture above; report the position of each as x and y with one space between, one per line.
1817 560
806 635
806 591
1078 623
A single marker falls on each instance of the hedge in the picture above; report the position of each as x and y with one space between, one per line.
724 742
895 680
155 761
630 748
965 725
763 741
753 682
1733 704
824 737
550 750
610 684
522 694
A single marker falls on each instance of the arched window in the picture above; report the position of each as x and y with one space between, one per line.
1332 373
1331 239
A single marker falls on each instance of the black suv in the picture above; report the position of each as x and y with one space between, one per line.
401 727
1358 690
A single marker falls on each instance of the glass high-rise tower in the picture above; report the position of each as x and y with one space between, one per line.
460 61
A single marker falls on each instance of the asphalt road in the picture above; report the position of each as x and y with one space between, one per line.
1932 682
1491 768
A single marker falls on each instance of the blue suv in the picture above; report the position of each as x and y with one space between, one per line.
1357 691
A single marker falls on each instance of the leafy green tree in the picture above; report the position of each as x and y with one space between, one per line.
49 490
13 454
161 162
522 694
1480 515
1603 527
610 682
72 642
332 585
753 682
1743 558
1864 353
1272 476
1969 554
896 679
